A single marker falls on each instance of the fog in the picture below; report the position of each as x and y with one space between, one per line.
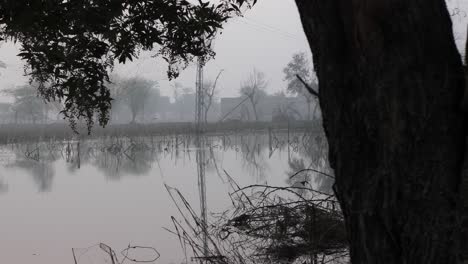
240 48
240 186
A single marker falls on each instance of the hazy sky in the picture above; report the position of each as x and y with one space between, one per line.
265 39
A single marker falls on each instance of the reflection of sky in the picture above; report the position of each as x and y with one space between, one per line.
89 205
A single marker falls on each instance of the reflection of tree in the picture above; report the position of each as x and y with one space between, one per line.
314 157
254 162
117 157
124 158
213 158
3 187
42 172
78 153
298 180
37 160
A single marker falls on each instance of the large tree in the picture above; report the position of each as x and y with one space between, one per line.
391 83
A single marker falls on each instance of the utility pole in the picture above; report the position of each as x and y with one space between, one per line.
200 158
199 97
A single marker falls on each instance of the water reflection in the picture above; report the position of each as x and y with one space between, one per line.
112 189
37 163
126 157
42 172
313 162
3 187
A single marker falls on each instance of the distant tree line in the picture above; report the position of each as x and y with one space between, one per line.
139 100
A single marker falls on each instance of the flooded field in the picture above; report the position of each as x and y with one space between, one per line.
55 196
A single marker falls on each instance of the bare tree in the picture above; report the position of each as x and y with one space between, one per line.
209 91
254 88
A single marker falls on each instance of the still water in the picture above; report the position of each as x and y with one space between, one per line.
55 196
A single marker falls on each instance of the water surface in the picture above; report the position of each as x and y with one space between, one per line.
55 196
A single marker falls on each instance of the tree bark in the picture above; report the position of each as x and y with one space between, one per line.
391 81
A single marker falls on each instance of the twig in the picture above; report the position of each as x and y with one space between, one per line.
313 170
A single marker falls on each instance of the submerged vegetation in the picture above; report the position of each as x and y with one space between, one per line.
10 133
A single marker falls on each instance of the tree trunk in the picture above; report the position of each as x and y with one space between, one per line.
133 117
254 108
143 114
206 115
207 109
314 114
391 81
308 109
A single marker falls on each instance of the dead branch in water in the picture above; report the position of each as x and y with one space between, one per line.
125 254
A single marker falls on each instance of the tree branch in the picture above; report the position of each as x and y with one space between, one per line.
215 82
308 87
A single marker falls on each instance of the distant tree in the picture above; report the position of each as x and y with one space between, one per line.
296 73
72 45
134 93
26 103
285 108
184 100
177 88
244 113
153 104
209 92
254 88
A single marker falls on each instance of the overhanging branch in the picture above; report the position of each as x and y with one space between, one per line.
308 87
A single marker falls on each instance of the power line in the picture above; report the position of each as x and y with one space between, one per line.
271 28
261 29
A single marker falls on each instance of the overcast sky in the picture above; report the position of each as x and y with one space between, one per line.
265 38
